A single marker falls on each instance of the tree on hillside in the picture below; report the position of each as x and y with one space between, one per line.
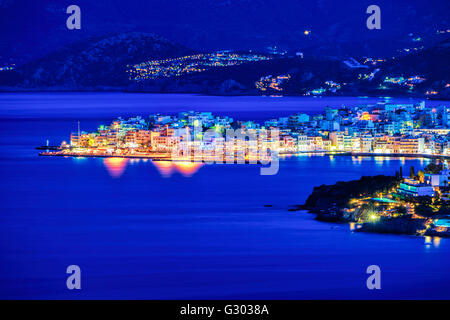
421 176
412 173
434 168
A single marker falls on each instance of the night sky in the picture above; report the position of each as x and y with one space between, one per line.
32 28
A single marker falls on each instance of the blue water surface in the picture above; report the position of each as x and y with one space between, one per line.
144 230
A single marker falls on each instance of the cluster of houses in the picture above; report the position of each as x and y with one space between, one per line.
174 67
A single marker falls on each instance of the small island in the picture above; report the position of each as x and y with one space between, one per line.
416 205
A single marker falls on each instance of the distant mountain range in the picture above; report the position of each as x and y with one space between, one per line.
100 63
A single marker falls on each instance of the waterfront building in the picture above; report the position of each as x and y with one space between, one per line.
315 143
409 145
366 141
74 139
303 143
414 188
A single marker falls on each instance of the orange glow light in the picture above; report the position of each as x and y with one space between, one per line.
165 168
187 169
115 166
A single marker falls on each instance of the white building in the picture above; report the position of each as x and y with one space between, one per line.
438 180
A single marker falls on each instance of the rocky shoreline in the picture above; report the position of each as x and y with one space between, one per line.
330 204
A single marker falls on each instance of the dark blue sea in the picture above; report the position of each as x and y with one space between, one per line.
144 230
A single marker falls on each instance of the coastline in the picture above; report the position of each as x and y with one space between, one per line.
166 157
163 157
405 228
405 155
100 89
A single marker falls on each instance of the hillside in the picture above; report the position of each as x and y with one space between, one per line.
93 64
431 64
103 63
305 74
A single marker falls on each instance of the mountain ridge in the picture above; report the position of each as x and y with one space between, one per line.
100 63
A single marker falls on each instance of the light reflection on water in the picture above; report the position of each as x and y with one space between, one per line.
186 168
357 160
379 161
435 241
116 166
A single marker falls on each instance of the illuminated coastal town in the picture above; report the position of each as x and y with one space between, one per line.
411 129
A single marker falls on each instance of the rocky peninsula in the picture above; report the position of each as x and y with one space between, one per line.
372 202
